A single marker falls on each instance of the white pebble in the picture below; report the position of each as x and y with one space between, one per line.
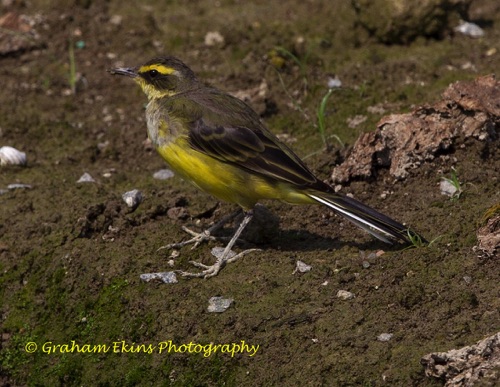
116 20
470 29
302 267
384 337
219 304
214 38
133 198
86 178
447 188
163 174
18 186
9 155
345 295
167 277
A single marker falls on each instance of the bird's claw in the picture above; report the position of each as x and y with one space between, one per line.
212 271
196 240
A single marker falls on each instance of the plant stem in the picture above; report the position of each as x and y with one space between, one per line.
72 68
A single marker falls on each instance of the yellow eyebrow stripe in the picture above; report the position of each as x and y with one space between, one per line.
158 67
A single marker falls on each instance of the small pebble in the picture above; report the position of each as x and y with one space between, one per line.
470 29
345 295
302 267
219 304
163 174
132 198
467 279
384 337
167 277
86 178
492 51
214 38
116 20
447 188
19 186
12 156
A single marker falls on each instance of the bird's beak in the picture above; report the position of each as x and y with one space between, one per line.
128 71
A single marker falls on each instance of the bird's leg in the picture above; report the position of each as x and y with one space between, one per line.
226 256
200 237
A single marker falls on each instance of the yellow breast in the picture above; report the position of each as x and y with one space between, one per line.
222 180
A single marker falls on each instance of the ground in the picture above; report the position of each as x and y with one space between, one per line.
71 254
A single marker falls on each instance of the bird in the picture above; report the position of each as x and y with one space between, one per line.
220 144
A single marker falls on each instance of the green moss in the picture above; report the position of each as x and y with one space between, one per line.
13 357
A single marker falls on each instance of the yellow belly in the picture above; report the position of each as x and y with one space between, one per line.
225 181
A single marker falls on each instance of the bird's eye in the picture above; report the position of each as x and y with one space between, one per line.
153 73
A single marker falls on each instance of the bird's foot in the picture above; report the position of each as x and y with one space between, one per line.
196 240
200 237
223 258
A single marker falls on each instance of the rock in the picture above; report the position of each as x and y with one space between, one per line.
383 337
302 267
214 38
167 277
86 178
163 174
18 186
447 188
219 304
468 366
18 33
470 29
403 142
345 295
133 198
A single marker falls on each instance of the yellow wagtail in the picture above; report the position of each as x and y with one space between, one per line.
218 143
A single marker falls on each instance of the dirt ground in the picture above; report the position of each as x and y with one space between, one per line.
71 254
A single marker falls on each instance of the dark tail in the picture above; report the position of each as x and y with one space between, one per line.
377 224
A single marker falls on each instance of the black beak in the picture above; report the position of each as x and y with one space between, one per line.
128 71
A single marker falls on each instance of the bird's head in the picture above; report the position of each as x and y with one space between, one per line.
160 77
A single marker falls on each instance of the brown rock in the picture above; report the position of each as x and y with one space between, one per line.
402 142
466 366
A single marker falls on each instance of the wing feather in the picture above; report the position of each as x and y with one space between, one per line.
250 148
